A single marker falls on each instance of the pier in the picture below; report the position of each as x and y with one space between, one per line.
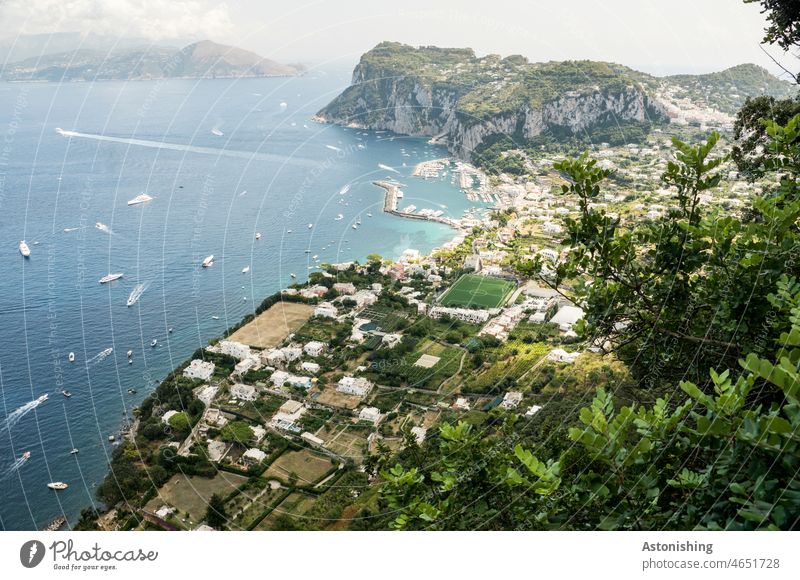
390 206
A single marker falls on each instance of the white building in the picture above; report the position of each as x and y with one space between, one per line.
560 355
243 392
278 378
326 310
533 410
354 386
314 348
461 404
419 433
245 365
310 367
391 340
254 456
346 288
566 317
511 400
234 349
371 414
199 369
463 314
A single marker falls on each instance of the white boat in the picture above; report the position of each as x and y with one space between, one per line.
215 317
67 230
344 189
141 198
74 451
112 438
354 226
110 278
66 393
137 291
314 257
369 215
154 342
217 132
24 249
71 357
130 353
57 485
245 270
288 231
398 194
338 217
293 275
209 261
258 235
310 226
26 455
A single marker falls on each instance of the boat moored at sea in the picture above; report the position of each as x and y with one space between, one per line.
153 343
57 485
111 278
258 235
245 270
74 451
71 357
66 393
141 198
208 261
24 249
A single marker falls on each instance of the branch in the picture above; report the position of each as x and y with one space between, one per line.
795 77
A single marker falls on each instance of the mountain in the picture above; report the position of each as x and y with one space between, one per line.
26 46
468 101
203 59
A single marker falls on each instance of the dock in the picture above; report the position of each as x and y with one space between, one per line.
390 206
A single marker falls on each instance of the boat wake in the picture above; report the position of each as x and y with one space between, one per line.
16 415
136 293
387 168
289 160
99 357
14 467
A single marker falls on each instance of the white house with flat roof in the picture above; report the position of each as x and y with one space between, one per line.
511 400
326 310
310 367
566 317
253 456
371 414
234 349
314 348
244 392
199 369
354 386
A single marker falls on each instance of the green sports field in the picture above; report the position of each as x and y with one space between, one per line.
481 291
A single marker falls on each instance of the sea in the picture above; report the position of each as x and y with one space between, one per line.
223 160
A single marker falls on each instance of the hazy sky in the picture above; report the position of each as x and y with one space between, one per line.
655 36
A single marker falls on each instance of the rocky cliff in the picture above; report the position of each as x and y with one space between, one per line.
463 100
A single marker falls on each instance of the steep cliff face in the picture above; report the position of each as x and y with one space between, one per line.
465 103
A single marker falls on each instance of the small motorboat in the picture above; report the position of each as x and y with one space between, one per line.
130 353
74 451
57 485
66 393
245 270
310 226
293 275
215 317
26 455
209 261
71 357
288 231
111 438
153 343
169 330
258 235
131 391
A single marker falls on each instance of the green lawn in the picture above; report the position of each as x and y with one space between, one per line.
481 291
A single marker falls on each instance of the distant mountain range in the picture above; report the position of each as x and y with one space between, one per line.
133 61
469 102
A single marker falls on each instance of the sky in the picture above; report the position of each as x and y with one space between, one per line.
654 36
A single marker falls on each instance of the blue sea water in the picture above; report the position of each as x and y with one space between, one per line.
266 167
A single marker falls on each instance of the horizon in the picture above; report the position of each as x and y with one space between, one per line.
647 38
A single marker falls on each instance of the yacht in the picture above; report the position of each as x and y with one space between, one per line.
344 189
141 198
215 317
130 353
153 343
74 451
310 226
288 231
71 357
135 294
245 270
217 132
110 278
209 261
66 393
24 249
57 485
258 235
355 226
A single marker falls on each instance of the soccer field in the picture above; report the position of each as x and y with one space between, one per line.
481 291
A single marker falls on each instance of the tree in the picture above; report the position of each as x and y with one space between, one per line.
180 423
215 514
784 22
237 432
750 132
679 294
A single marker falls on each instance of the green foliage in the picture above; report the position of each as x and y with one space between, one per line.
215 514
784 22
238 432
